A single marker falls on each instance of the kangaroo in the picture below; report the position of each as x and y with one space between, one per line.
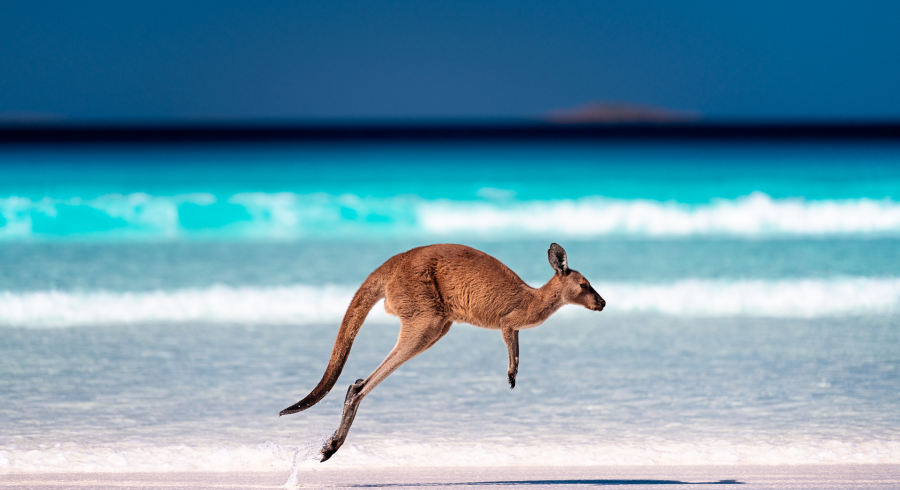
431 287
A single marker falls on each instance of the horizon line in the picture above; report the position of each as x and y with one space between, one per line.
400 130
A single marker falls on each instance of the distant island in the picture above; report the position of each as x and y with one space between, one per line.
611 112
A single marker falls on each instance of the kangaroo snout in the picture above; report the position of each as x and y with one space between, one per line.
600 304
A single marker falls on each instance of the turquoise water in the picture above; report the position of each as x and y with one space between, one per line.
160 305
355 192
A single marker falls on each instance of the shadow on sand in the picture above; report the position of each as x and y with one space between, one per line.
557 482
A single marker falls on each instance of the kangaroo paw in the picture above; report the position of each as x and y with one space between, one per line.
512 380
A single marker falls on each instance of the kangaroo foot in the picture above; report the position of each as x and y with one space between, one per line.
330 447
512 380
351 402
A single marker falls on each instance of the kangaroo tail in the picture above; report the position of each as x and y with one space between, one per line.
365 298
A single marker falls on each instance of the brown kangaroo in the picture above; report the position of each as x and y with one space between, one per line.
431 287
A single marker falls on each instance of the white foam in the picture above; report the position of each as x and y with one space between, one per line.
294 304
756 214
380 453
125 457
310 304
402 453
292 216
803 298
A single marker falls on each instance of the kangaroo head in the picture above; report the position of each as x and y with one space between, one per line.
575 288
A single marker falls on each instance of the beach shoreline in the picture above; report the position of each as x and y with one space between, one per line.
759 477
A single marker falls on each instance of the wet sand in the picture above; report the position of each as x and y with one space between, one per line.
638 477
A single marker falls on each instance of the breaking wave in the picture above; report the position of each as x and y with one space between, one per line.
299 216
753 215
294 304
308 304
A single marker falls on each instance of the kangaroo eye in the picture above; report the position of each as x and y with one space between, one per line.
584 286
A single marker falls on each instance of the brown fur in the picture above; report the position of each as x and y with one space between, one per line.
431 287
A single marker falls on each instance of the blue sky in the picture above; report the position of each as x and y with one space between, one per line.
167 60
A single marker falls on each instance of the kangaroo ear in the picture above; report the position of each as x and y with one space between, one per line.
557 257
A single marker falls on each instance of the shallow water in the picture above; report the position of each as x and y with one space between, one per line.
160 306
632 381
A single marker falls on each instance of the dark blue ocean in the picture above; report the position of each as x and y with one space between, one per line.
159 305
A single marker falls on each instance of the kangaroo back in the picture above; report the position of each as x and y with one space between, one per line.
369 293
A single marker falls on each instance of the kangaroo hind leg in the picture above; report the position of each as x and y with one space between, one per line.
444 330
416 336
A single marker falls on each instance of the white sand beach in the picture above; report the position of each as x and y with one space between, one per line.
642 477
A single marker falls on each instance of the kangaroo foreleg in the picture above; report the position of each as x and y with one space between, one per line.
511 337
415 338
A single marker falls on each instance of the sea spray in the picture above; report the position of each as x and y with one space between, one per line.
307 457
